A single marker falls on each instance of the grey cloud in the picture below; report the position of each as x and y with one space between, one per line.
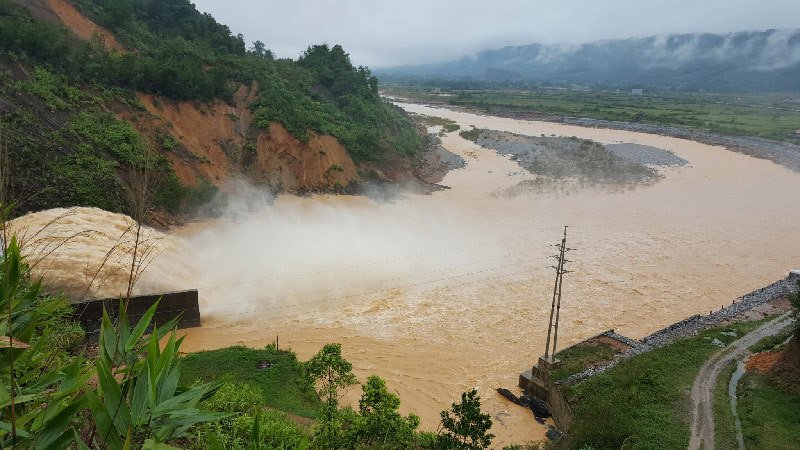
390 33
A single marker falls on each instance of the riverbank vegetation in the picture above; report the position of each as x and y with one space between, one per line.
769 397
580 357
770 115
645 400
724 422
769 410
448 126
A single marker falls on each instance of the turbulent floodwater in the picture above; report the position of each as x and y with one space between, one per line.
445 292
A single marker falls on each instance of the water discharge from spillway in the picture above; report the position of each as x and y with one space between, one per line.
444 292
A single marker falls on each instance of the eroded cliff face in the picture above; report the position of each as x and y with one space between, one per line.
284 163
202 140
79 24
216 141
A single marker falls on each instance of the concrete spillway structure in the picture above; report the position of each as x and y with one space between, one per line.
171 305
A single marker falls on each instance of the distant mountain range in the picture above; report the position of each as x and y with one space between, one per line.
744 61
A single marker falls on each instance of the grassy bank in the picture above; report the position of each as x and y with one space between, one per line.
643 403
278 386
724 422
578 358
769 411
774 116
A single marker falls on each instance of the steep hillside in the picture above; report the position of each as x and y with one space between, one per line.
93 91
746 61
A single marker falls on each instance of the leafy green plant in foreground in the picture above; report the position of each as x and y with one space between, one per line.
44 391
332 374
148 397
378 424
38 399
131 396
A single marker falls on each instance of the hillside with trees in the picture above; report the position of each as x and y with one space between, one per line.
80 116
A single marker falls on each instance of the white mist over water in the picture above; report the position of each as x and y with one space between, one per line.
300 254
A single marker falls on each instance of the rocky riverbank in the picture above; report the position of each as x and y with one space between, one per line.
693 325
784 153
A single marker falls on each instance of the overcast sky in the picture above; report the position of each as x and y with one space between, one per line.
381 33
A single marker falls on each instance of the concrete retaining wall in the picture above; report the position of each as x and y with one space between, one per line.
698 323
538 382
172 304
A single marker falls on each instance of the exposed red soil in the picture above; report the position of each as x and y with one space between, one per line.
787 367
763 361
782 366
210 136
80 25
213 144
283 162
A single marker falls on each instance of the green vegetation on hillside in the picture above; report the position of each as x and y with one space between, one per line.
187 55
773 116
55 88
277 386
322 91
644 401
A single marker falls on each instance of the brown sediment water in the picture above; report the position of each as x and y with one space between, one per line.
85 253
445 292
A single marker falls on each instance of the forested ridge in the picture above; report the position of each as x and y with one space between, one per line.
57 94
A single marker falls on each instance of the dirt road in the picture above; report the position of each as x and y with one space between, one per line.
702 407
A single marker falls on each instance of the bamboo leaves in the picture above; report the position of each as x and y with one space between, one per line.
147 395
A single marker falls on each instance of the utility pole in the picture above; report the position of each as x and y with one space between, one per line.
555 306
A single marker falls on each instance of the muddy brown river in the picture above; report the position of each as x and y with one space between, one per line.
441 293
